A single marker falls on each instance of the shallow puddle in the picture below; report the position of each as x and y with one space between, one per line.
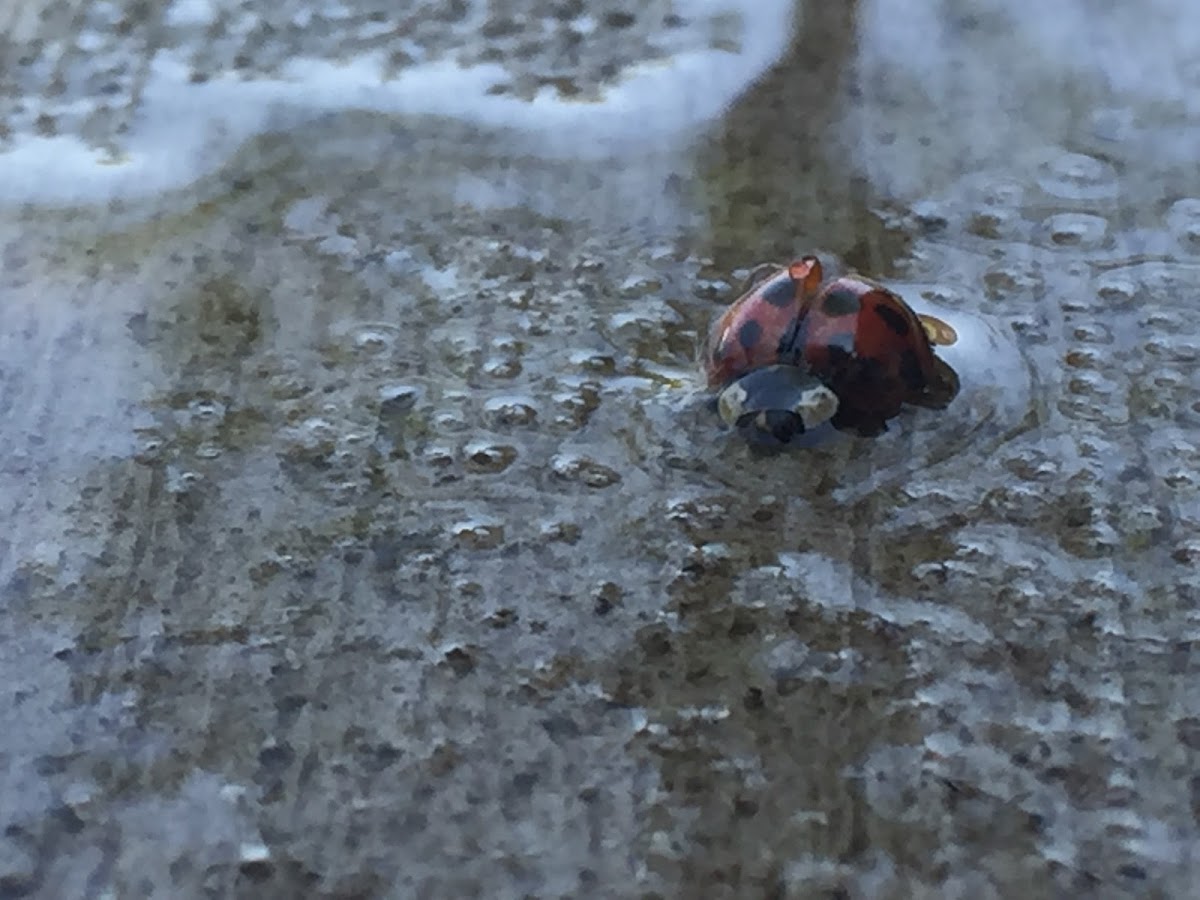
372 533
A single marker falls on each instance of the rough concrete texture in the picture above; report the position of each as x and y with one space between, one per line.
368 533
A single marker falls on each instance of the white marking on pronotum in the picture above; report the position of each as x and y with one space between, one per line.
815 406
731 404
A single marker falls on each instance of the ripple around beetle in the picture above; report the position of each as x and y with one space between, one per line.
998 399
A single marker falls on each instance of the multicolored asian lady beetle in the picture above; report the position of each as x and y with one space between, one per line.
787 336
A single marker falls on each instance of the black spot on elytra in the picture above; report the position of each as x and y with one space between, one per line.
892 319
840 301
749 334
781 294
910 371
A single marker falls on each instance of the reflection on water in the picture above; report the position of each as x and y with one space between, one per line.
369 513
777 174
189 120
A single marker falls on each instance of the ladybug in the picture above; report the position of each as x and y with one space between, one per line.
853 336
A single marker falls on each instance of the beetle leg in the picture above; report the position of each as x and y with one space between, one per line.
941 389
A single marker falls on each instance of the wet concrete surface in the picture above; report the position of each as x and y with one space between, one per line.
369 534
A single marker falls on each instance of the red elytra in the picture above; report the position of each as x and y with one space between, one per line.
858 337
752 332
